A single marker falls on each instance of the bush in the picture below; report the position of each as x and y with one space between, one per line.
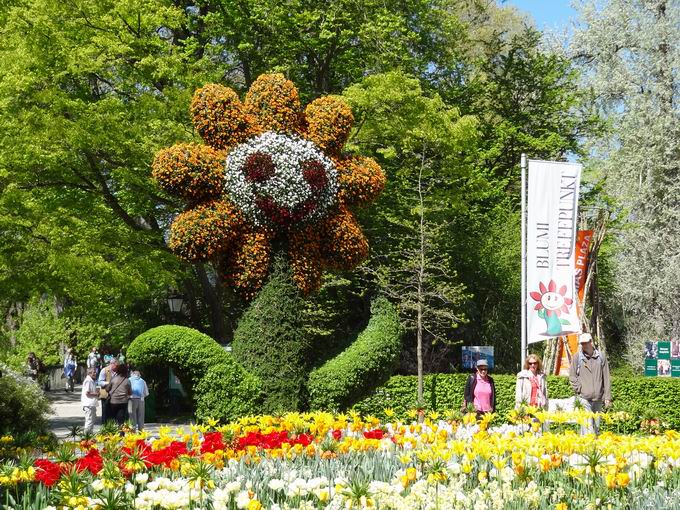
23 406
271 342
367 363
203 366
639 396
227 393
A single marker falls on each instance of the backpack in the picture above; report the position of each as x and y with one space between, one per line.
137 387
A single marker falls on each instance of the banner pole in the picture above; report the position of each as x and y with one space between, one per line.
523 340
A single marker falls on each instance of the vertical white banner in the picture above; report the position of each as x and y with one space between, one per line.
552 209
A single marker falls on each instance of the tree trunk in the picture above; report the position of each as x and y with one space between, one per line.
421 271
213 298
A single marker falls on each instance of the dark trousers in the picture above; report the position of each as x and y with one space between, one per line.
106 412
118 412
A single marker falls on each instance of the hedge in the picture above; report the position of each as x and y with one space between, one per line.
363 366
270 341
204 368
640 396
227 394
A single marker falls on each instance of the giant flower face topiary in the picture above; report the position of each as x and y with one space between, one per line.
270 174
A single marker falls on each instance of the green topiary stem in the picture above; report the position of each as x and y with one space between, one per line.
271 342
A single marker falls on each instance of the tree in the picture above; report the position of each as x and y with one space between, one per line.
89 91
425 146
629 52
526 99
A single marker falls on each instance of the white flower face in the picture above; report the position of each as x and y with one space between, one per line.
281 180
552 300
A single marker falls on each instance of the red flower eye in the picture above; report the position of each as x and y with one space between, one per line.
315 174
259 167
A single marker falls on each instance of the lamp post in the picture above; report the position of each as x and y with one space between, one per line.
175 302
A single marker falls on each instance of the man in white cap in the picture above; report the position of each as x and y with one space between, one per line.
589 377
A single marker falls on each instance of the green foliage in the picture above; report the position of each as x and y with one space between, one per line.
40 331
638 396
23 405
334 316
526 99
365 364
46 334
89 94
272 343
425 146
227 392
206 370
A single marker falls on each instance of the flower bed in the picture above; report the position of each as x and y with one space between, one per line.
310 461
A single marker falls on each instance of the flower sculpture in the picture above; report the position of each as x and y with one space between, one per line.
270 175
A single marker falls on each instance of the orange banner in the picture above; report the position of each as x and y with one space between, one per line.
583 238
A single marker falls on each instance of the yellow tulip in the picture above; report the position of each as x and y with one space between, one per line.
622 479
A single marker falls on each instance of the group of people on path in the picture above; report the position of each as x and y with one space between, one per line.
120 391
588 375
117 389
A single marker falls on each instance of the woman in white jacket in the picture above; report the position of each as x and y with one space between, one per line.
532 385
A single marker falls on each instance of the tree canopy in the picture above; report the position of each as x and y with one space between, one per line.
456 90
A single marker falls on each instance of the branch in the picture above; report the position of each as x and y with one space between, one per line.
109 197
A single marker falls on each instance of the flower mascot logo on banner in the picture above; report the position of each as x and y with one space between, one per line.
270 174
551 303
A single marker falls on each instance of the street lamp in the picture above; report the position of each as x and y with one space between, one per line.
175 302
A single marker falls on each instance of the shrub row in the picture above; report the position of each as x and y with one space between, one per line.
219 386
363 366
641 397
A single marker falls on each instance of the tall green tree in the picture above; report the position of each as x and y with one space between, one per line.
630 53
425 147
526 98
89 91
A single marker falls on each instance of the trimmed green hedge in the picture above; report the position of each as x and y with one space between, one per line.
227 394
641 396
271 342
204 368
364 365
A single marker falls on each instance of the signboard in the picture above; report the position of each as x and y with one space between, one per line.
675 368
473 353
551 250
662 359
650 367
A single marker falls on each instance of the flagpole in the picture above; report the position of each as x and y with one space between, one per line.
523 165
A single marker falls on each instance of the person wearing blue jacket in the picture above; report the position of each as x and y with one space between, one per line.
70 365
139 391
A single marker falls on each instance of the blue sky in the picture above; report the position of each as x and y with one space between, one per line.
549 14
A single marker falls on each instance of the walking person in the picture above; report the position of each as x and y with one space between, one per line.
70 365
104 378
480 390
119 390
94 360
32 366
139 392
532 386
590 380
89 396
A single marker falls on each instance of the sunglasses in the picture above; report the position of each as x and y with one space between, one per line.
533 363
